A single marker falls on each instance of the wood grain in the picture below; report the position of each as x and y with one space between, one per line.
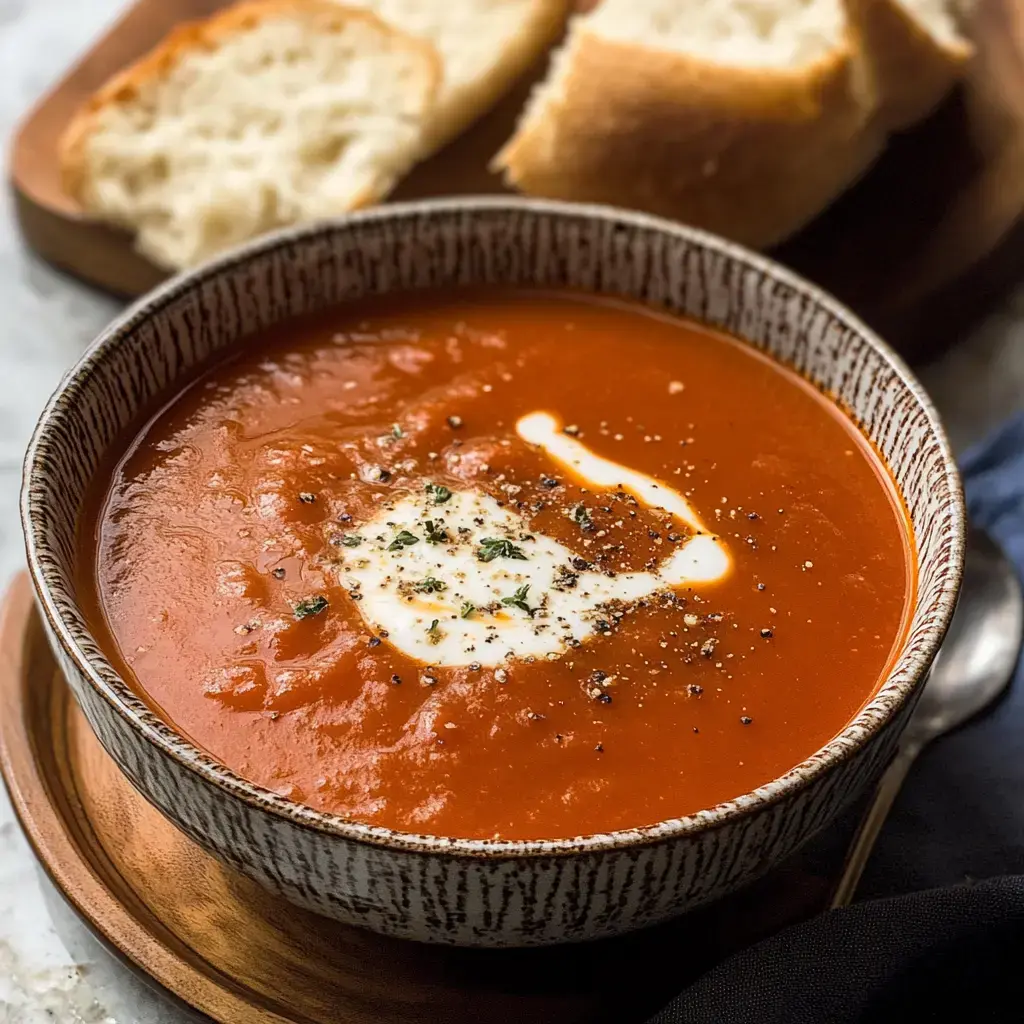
928 238
224 946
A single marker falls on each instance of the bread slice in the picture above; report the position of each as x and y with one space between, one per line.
485 46
270 113
915 51
745 117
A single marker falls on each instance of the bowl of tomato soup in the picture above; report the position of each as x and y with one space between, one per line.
494 572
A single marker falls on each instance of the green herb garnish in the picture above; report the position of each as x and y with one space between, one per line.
518 600
494 547
396 431
439 493
434 632
435 535
310 606
467 609
582 517
351 540
429 586
403 539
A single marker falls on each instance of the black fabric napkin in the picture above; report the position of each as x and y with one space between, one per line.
945 954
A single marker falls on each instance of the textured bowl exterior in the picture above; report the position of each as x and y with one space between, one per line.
478 892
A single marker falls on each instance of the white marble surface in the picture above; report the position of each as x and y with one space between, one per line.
50 969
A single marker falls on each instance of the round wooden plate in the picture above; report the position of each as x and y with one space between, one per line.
920 245
224 946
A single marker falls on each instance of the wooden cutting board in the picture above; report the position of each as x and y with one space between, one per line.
927 239
221 944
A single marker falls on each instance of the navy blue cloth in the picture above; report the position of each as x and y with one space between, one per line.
921 953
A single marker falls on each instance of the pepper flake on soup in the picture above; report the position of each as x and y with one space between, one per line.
521 565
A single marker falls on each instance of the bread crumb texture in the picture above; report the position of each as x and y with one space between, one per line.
278 112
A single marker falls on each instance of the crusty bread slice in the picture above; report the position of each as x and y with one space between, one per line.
745 117
485 46
915 51
270 113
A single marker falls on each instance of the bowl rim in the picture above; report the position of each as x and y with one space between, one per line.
871 718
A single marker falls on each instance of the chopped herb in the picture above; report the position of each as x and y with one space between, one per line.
403 539
496 547
467 609
439 493
518 600
351 540
310 606
582 517
435 535
306 498
429 586
396 431
434 632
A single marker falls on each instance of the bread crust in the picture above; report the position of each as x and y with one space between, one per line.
749 154
913 70
208 34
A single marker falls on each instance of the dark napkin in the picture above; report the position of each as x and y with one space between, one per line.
954 953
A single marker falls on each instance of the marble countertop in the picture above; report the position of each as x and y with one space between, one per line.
50 968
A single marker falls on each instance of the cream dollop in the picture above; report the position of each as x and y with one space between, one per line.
463 580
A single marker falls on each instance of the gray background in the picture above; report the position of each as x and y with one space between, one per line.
49 968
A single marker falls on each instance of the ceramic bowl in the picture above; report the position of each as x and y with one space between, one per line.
478 892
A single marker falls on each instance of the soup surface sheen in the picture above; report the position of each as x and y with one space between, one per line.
501 565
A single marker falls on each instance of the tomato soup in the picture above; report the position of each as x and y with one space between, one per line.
495 564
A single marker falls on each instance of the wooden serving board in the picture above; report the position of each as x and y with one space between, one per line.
927 239
224 946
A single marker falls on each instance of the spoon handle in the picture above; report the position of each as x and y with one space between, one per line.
871 824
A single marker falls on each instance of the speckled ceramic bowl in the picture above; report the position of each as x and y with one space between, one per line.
476 892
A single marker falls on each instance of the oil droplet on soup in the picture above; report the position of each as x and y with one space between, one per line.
484 564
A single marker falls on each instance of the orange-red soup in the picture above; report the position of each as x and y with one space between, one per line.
217 577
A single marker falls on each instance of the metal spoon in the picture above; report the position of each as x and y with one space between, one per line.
973 667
